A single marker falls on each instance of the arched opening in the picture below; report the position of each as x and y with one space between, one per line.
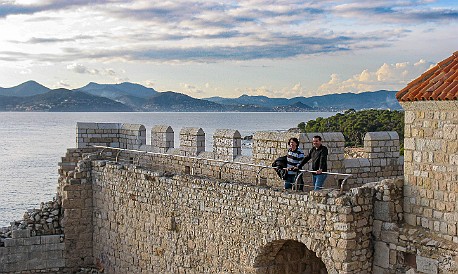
288 257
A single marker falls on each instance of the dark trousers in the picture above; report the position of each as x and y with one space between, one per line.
290 181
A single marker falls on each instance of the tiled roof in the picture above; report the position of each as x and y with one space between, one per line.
437 84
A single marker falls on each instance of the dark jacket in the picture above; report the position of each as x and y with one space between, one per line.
319 157
281 163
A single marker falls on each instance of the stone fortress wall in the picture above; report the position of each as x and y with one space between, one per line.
381 161
157 208
23 253
431 149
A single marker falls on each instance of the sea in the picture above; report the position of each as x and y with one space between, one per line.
32 143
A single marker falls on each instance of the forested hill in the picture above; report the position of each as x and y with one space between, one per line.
355 124
382 99
32 96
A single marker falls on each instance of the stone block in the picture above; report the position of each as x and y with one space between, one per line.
38 248
59 246
379 270
9 242
10 267
381 254
55 263
22 249
390 236
51 239
383 211
36 263
21 233
350 163
376 229
427 265
115 126
85 126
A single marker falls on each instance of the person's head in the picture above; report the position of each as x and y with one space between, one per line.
293 143
316 141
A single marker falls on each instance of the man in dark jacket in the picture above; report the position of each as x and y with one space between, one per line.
319 156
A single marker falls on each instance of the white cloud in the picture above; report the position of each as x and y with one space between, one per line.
93 36
387 76
61 84
285 92
26 71
420 63
192 90
384 72
149 83
365 76
79 68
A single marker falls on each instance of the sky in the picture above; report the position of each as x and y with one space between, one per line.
226 48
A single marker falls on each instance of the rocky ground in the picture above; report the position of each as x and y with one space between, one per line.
42 221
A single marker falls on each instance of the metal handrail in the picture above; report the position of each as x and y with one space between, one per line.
117 155
302 171
101 152
224 162
258 177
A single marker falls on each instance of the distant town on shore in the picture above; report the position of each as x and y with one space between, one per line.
130 97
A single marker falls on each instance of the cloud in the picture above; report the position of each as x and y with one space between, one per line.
45 40
192 90
395 11
79 68
285 92
119 79
31 7
26 71
92 35
105 72
61 84
387 76
207 31
149 83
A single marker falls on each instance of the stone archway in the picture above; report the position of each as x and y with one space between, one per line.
288 257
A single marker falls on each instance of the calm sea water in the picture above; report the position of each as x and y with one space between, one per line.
31 145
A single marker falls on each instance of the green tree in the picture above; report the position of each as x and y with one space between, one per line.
355 124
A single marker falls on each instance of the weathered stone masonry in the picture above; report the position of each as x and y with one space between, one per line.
174 211
342 242
187 224
26 254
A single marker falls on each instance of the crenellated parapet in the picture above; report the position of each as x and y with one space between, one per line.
192 141
268 145
381 145
115 185
381 151
127 136
227 144
381 158
162 138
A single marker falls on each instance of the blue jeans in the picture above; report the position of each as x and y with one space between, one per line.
318 181
291 180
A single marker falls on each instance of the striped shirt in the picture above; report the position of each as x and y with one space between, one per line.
294 158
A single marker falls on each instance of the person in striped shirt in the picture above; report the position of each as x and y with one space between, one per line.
294 158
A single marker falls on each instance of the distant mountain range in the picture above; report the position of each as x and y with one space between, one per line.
125 97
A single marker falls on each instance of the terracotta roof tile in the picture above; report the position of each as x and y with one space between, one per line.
438 83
